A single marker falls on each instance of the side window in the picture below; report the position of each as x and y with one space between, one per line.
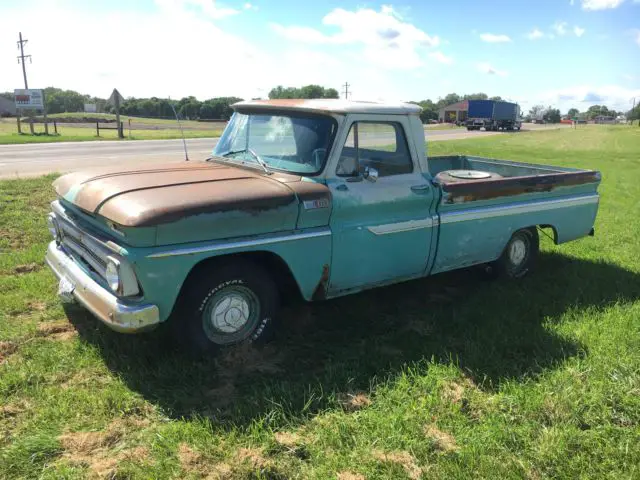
382 146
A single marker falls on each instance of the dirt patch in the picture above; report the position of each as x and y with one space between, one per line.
57 330
350 476
402 458
37 306
420 327
192 461
287 439
189 459
7 349
390 351
352 402
13 409
95 450
221 396
28 268
442 441
252 457
246 359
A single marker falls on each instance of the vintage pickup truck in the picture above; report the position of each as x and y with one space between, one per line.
317 198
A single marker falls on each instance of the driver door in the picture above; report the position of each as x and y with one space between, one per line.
382 229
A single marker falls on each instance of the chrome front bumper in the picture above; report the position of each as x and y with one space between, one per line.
126 318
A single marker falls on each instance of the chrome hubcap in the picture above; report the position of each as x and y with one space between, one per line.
230 313
517 251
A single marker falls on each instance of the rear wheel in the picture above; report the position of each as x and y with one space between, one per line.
226 304
519 255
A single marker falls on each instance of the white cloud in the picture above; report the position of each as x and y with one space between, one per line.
364 26
600 4
560 28
637 35
493 38
571 2
166 35
578 31
206 7
583 96
387 39
441 57
250 6
535 34
485 67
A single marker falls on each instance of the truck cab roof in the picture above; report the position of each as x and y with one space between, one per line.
326 105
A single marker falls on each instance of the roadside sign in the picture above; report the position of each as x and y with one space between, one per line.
115 95
29 98
90 108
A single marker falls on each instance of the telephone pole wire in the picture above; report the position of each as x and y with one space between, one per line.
346 90
21 58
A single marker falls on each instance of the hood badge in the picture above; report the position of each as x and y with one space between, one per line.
314 204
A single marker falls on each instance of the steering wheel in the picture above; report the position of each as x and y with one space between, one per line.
317 157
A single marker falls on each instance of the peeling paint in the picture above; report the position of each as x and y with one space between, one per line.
469 191
320 293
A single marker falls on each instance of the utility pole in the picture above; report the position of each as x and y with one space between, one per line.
346 90
21 58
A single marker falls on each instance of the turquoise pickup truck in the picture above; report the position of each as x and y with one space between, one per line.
315 198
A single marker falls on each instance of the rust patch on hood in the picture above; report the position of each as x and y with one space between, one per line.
165 193
169 203
474 190
310 191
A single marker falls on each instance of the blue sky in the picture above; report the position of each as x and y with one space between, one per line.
557 52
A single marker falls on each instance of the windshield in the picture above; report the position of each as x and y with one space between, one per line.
296 143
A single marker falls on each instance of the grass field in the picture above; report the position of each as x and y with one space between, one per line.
71 133
449 377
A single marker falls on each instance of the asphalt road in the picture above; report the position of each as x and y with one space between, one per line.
30 160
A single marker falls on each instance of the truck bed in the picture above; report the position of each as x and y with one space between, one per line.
478 215
506 178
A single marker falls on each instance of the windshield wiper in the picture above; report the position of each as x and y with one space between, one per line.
257 157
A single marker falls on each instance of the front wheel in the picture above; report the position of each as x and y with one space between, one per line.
226 304
519 255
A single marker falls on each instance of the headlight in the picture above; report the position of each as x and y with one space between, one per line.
112 275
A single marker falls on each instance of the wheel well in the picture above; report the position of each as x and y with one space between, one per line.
273 264
553 229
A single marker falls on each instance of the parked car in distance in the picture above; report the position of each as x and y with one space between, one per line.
311 198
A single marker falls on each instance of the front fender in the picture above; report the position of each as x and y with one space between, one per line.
162 271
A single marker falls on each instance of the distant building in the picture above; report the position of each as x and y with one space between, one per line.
454 113
7 107
604 119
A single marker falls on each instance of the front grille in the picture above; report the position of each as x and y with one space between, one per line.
81 244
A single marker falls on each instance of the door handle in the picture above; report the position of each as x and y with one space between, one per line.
342 187
421 188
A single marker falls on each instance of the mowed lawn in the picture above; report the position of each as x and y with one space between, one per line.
448 377
163 129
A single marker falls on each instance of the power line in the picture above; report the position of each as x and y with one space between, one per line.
346 90
21 58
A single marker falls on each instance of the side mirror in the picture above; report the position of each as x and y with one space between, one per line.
370 174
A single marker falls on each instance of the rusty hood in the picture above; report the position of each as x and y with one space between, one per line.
166 193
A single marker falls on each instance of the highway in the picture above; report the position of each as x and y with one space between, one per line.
29 160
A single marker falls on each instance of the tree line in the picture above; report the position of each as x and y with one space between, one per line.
219 108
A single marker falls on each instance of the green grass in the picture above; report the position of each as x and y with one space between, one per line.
449 377
9 133
442 126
